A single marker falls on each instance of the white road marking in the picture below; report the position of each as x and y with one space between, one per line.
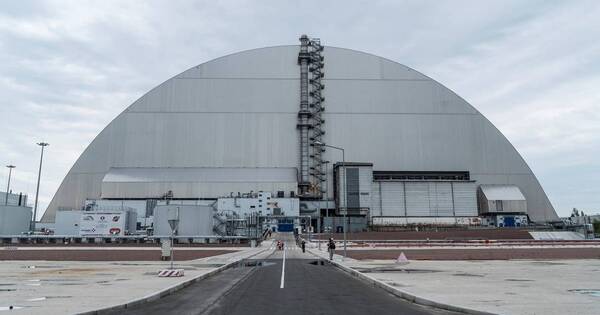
283 270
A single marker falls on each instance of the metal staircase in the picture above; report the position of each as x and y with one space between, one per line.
310 119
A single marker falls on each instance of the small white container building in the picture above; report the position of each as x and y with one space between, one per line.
502 205
96 223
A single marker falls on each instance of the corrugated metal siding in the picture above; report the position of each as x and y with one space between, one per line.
193 220
392 199
501 198
353 188
417 200
366 181
440 195
465 199
376 200
424 199
14 220
502 192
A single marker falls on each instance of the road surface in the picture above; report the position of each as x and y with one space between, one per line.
287 282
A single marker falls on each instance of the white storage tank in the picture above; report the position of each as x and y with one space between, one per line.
193 220
14 220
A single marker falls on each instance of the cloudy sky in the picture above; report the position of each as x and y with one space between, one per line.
532 67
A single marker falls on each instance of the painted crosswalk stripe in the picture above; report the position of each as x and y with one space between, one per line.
283 270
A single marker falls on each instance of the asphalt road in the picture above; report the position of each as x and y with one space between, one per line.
296 284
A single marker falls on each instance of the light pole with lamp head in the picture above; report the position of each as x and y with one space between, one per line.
37 190
10 168
319 143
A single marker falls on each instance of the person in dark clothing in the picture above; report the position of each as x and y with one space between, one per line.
331 248
303 245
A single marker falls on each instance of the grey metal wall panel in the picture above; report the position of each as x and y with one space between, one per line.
465 199
188 190
417 199
193 220
440 196
14 220
392 194
502 192
240 111
201 174
353 188
365 183
376 204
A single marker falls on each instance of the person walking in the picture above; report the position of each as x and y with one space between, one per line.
303 245
331 248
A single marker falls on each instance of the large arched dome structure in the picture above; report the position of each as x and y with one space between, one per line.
239 113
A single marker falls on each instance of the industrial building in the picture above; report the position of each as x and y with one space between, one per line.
329 131
15 215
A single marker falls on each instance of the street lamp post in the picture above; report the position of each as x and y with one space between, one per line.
10 167
37 190
343 185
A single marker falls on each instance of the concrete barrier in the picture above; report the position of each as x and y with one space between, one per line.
399 293
170 290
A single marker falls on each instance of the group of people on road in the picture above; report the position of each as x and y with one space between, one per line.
302 243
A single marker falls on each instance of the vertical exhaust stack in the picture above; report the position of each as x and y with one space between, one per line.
310 120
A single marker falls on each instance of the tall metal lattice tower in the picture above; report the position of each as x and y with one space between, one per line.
310 120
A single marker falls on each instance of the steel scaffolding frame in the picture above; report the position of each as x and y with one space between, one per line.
310 119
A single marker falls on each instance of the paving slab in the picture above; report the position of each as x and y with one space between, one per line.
69 287
496 286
